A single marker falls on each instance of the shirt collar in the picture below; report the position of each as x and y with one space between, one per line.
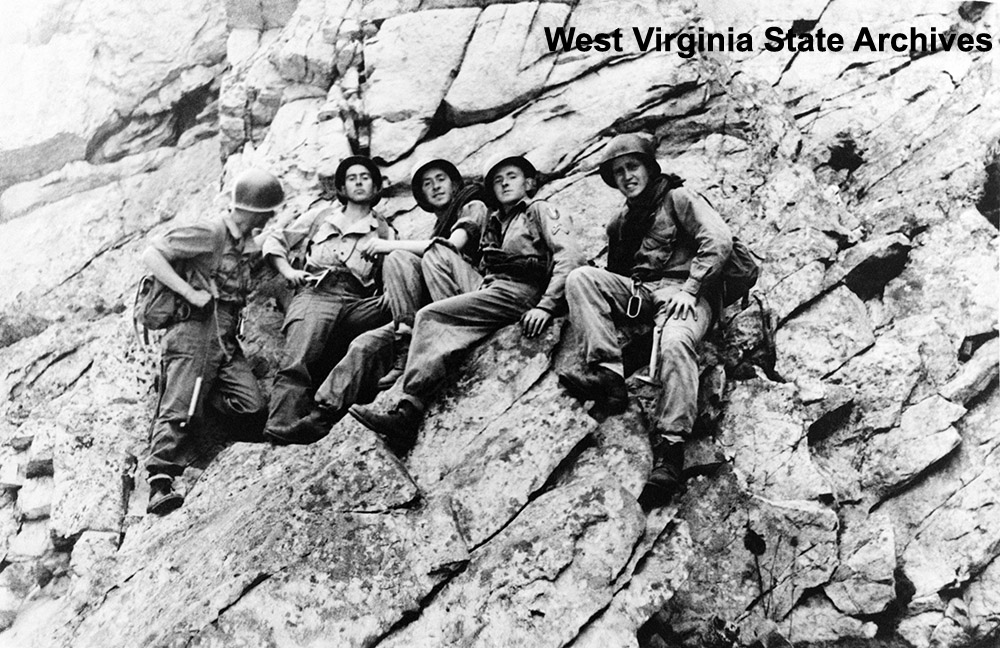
338 219
518 208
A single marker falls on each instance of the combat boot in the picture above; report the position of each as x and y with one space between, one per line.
162 498
309 429
667 475
398 427
601 385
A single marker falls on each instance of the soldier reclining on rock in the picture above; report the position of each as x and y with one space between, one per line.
438 188
335 302
528 251
666 248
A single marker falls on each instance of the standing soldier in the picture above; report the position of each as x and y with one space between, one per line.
666 249
204 264
439 188
527 253
321 254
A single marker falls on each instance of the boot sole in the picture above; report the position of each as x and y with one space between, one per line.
165 505
294 439
363 420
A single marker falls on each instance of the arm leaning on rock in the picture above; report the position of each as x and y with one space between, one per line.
468 225
560 237
713 237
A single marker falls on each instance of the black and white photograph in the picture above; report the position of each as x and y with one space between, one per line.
516 324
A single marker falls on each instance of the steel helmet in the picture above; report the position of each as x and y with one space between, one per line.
257 190
639 144
494 165
416 181
340 175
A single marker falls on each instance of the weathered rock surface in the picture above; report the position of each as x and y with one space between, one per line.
764 437
824 337
848 487
125 70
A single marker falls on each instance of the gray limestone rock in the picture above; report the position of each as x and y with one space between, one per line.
824 337
539 580
864 582
924 436
764 436
401 102
862 178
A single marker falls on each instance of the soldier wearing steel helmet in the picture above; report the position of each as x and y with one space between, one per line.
368 366
205 264
666 249
527 249
322 254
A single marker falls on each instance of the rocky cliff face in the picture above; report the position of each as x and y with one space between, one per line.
845 478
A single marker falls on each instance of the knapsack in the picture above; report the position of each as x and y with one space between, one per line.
739 274
740 271
156 306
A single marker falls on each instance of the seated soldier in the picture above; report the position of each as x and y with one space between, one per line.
205 264
438 188
667 248
527 252
335 301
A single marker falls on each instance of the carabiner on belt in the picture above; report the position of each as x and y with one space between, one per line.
635 301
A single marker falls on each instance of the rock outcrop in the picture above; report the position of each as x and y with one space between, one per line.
843 478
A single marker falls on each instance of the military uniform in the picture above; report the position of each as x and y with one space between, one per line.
405 277
210 256
527 253
326 315
683 249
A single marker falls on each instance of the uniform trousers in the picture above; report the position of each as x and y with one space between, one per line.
467 309
597 302
320 324
207 348
371 355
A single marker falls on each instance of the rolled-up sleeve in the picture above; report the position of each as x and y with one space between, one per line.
560 236
186 241
472 219
280 242
713 237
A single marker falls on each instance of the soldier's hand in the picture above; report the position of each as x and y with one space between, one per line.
680 305
199 298
534 321
373 246
298 277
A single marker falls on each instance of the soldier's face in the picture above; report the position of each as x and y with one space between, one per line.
510 186
359 186
630 174
438 188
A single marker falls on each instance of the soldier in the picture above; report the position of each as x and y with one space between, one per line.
439 188
527 252
204 264
666 249
335 301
